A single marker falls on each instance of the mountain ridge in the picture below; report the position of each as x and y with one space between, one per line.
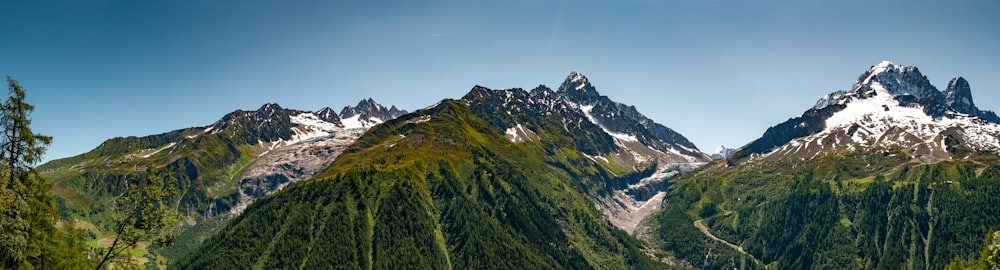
220 168
442 177
883 96
480 152
608 133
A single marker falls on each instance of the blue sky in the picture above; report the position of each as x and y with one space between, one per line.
719 72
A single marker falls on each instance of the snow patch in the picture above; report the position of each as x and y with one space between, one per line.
598 159
158 150
519 133
355 122
621 136
420 119
310 126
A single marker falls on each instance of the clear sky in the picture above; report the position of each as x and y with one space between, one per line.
719 72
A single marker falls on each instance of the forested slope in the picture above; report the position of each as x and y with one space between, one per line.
436 189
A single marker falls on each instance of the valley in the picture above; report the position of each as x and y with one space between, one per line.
878 176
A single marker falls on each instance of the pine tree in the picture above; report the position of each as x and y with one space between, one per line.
28 234
990 257
144 214
28 216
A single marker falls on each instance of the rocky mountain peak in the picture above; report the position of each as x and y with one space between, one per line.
577 102
365 105
902 84
958 96
396 111
368 113
578 89
347 112
270 108
369 103
897 80
329 115
268 123
576 77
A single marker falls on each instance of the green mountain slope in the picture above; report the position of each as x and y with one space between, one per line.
436 189
219 168
840 211
204 167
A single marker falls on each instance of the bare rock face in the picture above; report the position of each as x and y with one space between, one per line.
635 201
283 165
369 109
317 139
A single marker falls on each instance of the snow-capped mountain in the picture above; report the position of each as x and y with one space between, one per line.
272 125
888 106
368 113
721 152
605 132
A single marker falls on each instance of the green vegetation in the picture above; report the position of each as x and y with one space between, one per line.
144 213
989 258
450 192
206 166
188 239
29 235
204 171
862 209
37 231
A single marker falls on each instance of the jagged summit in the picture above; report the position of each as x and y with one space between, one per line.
577 86
889 105
368 113
575 81
368 108
578 98
576 77
270 110
889 80
906 86
363 105
329 115
958 96
899 80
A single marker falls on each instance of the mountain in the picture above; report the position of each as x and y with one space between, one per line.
606 132
499 178
368 113
721 152
889 105
436 189
892 173
626 124
220 168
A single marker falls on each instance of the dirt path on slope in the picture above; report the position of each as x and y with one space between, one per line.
704 229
